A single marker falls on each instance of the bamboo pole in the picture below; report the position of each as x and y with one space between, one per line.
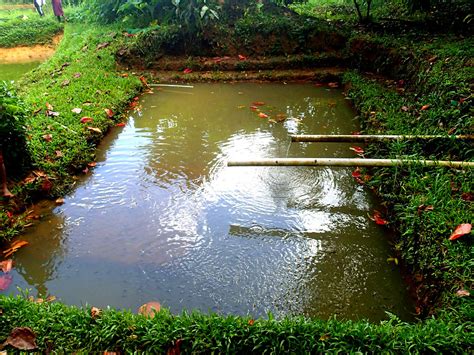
371 138
172 86
348 162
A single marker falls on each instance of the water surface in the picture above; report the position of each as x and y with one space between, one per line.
162 218
15 71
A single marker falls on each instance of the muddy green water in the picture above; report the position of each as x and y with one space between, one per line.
162 218
15 71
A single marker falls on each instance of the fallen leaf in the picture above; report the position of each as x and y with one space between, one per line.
258 103
405 109
5 281
95 129
463 293
77 110
254 108
46 185
143 80
22 339
48 137
355 133
59 154
86 119
121 124
377 218
65 82
51 113
59 201
77 75
49 106
149 309
92 164
102 45
251 322
425 107
467 196
324 337
17 244
358 150
461 230
187 71
262 115
124 75
356 173
176 348
242 57
109 112
333 85
95 312
6 265
50 298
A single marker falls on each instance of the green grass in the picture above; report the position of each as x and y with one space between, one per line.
27 28
67 329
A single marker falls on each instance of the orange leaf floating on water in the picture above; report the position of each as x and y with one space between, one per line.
187 71
357 149
258 103
109 112
262 115
149 309
5 281
242 57
377 217
121 124
425 107
6 265
461 230
14 247
86 119
95 129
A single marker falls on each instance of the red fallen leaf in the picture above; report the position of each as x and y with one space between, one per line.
251 322
461 230
143 80
9 214
187 71
14 247
356 173
357 149
467 196
377 217
136 98
254 108
86 119
6 265
242 57
46 185
95 129
5 282
258 103
48 137
262 115
133 104
176 348
121 124
49 106
109 112
149 309
425 107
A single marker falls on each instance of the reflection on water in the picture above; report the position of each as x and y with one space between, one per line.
163 218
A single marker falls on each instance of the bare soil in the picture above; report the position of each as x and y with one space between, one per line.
24 54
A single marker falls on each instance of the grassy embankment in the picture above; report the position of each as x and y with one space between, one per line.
424 205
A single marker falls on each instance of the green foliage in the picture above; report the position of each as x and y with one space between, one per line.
68 329
28 31
13 114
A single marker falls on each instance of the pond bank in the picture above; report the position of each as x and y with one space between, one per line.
25 54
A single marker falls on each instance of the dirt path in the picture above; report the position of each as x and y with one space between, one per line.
23 54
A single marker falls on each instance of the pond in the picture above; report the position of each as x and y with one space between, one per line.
15 71
162 217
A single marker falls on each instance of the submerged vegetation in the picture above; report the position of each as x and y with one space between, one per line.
403 79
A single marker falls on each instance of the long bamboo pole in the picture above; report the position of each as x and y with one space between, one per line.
172 86
371 138
348 162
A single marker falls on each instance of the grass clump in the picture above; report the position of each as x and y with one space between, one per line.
28 30
67 329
